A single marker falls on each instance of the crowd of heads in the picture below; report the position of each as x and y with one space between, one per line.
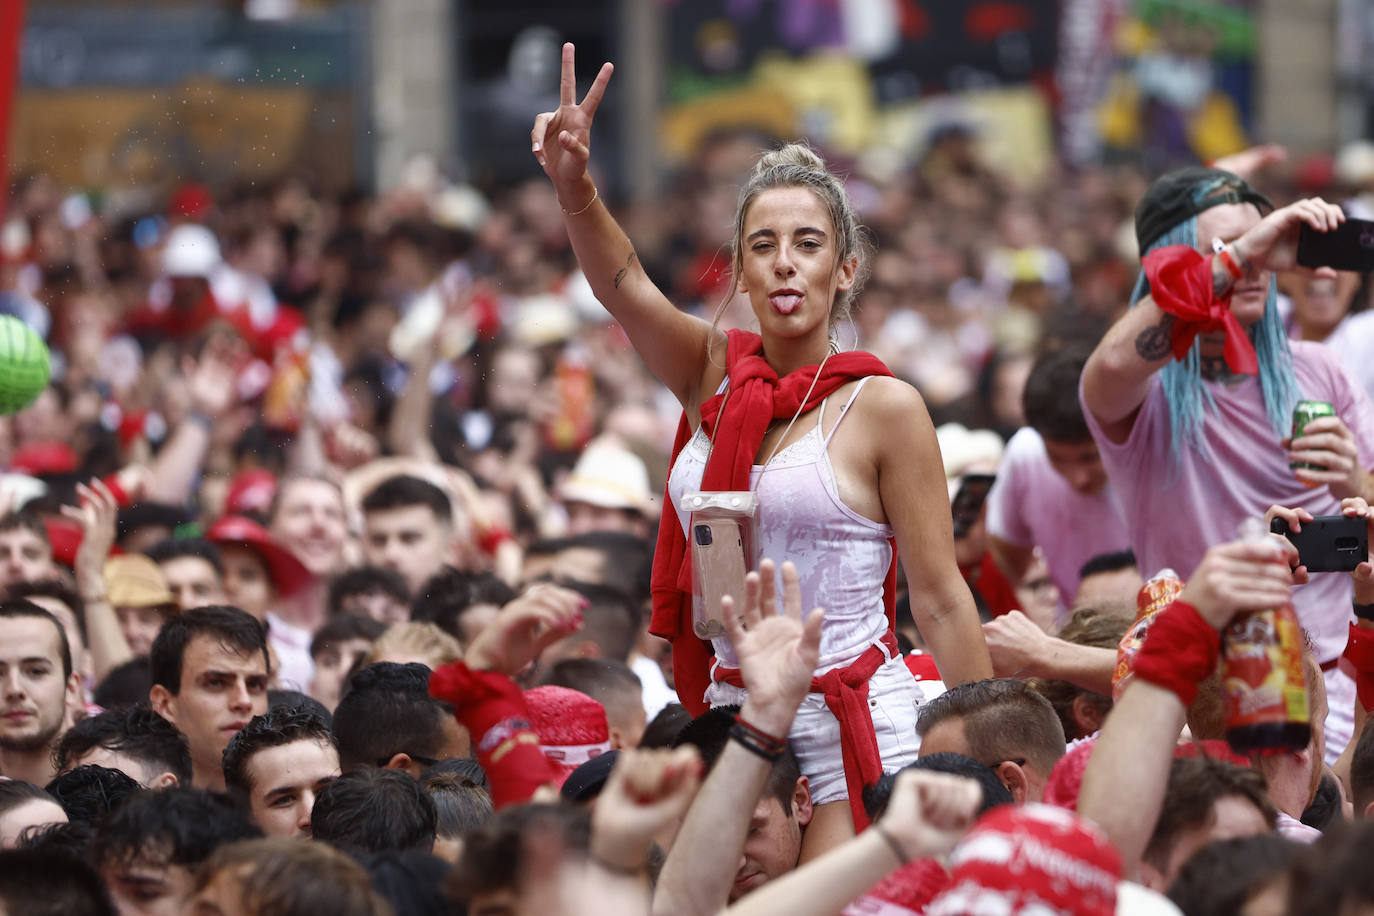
335 434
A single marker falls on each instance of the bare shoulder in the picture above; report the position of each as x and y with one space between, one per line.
890 400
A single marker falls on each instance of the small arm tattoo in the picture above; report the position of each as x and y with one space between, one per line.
620 274
1154 343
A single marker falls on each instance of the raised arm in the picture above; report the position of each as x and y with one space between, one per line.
1123 788
777 655
672 343
911 483
97 515
1019 648
928 814
1117 375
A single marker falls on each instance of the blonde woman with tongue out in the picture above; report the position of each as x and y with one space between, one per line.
842 456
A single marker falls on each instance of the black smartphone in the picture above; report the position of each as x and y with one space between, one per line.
968 501
1328 543
1350 246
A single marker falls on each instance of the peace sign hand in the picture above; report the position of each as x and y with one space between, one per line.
561 140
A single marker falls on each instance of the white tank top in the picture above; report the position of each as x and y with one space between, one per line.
842 557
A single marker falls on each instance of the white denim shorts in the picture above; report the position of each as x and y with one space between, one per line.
893 701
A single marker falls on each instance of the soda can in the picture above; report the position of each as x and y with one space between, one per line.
1305 412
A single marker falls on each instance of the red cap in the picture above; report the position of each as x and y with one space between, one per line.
251 491
571 726
1024 859
38 458
288 574
191 201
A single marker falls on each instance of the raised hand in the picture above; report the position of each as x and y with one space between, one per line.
646 793
1249 162
97 515
777 651
1241 576
928 811
561 139
1330 445
212 379
1272 243
1016 644
525 627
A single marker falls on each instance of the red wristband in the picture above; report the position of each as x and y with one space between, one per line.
1179 652
773 742
1181 284
492 708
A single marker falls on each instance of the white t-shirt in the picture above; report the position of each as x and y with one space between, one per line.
1032 505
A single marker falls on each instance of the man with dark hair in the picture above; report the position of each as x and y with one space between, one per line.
193 570
616 559
25 806
388 719
41 883
60 600
408 526
210 671
336 648
135 740
1109 579
88 792
25 551
1205 800
370 591
148 849
612 684
1004 725
1051 491
879 794
610 626
372 810
461 603
39 686
462 803
773 843
277 765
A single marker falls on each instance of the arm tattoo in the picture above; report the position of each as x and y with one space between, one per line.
1154 343
620 274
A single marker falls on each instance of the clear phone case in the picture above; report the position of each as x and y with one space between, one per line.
721 531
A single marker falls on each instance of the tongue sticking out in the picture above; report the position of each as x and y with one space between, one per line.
786 303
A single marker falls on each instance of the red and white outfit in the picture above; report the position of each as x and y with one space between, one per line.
845 563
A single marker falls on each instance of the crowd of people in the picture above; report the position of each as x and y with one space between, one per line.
387 554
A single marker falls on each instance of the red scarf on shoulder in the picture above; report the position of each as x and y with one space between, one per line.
756 397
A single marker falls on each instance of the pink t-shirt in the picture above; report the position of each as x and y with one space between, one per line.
1032 505
1176 510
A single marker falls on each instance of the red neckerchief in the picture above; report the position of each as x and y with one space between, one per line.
1181 285
756 397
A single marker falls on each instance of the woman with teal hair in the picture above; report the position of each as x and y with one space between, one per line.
1190 395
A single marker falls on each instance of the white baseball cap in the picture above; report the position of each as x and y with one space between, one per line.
190 251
